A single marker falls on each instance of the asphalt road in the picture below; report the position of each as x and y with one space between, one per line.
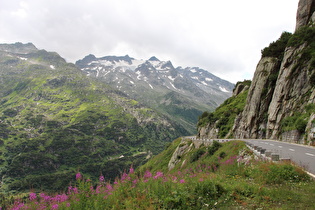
301 155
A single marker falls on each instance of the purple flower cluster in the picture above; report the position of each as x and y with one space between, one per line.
104 190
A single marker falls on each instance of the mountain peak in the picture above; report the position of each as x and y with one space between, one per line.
86 59
153 58
18 47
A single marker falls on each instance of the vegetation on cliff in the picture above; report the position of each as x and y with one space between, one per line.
224 116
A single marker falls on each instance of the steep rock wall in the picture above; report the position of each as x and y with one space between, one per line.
305 13
251 123
291 88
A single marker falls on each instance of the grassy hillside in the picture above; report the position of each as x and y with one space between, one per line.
222 176
55 121
224 116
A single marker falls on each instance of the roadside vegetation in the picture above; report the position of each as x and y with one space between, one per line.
224 116
224 176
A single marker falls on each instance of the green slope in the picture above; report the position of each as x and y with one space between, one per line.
54 121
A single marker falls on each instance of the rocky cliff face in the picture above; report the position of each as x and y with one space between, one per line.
251 122
305 13
281 99
268 109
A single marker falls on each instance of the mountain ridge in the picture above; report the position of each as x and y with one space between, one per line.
149 81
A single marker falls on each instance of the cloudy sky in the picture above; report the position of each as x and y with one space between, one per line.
223 37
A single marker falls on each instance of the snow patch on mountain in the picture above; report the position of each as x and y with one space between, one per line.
223 89
193 70
171 78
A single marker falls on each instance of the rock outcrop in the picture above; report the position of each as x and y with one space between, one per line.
305 13
251 123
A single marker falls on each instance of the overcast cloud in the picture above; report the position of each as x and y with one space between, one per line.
223 37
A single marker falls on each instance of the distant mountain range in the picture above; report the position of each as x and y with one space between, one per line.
180 93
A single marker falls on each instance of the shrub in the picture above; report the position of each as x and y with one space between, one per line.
214 147
196 155
222 155
273 173
276 49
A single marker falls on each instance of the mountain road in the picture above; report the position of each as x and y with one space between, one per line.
301 155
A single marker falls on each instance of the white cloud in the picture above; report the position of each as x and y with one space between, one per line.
224 37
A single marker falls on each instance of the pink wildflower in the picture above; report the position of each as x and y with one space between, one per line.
147 174
182 181
68 204
158 174
97 190
55 206
32 196
135 181
78 176
45 197
75 190
131 170
124 177
102 179
109 187
69 189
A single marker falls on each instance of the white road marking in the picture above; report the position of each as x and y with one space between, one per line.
292 150
272 145
280 146
310 154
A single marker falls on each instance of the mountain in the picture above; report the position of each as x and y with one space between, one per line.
180 93
54 120
280 102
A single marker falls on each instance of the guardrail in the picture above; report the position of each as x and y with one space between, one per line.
258 151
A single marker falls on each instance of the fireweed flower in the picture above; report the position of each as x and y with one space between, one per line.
158 174
78 176
55 206
182 181
147 174
102 179
97 190
32 196
75 190
109 187
131 170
